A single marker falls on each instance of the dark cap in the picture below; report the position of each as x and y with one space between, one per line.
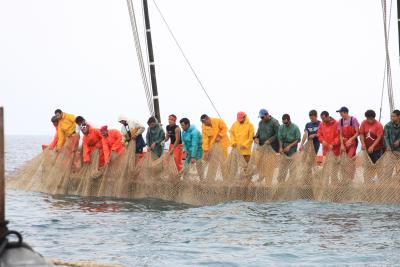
343 109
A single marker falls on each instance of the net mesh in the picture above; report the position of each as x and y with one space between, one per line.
266 177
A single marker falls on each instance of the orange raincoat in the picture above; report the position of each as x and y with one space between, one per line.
113 142
329 133
90 142
210 133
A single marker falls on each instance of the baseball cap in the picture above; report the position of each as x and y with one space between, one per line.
343 109
262 113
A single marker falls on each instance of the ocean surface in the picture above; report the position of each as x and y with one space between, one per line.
152 232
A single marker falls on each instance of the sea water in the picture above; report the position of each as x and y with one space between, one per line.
153 232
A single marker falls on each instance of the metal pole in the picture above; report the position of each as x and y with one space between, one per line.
398 24
3 226
151 61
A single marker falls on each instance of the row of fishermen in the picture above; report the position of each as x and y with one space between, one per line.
336 136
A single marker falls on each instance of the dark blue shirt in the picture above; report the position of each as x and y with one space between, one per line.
312 128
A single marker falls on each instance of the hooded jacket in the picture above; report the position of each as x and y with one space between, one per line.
242 135
210 133
134 126
113 142
66 127
329 133
192 143
91 141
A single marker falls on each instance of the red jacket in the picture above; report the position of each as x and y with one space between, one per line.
329 133
91 141
113 142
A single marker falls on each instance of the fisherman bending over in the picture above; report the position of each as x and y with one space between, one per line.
66 127
214 131
192 142
328 134
155 136
92 139
132 130
53 144
112 142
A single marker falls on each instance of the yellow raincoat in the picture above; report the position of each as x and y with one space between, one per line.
217 128
242 135
66 128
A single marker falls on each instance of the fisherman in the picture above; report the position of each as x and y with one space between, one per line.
371 136
92 139
66 127
154 137
349 129
328 134
53 144
267 132
242 133
173 134
192 142
132 130
214 131
311 130
80 122
288 136
392 132
112 142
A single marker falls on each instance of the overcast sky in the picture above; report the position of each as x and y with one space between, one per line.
287 56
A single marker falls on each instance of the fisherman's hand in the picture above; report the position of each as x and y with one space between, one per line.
301 147
217 139
163 143
267 142
257 141
149 148
388 149
363 147
234 145
193 161
286 149
349 143
153 146
280 151
330 147
171 152
242 147
312 136
396 143
342 148
206 156
371 149
324 143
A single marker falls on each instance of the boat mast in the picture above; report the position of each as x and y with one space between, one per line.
398 24
151 61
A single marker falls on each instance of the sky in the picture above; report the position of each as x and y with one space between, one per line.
287 56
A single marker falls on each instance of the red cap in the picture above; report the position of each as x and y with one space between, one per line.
241 115
104 128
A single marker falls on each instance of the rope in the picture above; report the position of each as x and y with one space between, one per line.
186 59
387 65
384 69
81 263
140 57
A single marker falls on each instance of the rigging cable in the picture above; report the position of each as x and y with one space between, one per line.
387 65
186 59
140 57
384 69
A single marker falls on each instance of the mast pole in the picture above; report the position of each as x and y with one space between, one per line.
151 61
398 24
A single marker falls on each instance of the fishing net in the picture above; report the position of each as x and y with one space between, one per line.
267 176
